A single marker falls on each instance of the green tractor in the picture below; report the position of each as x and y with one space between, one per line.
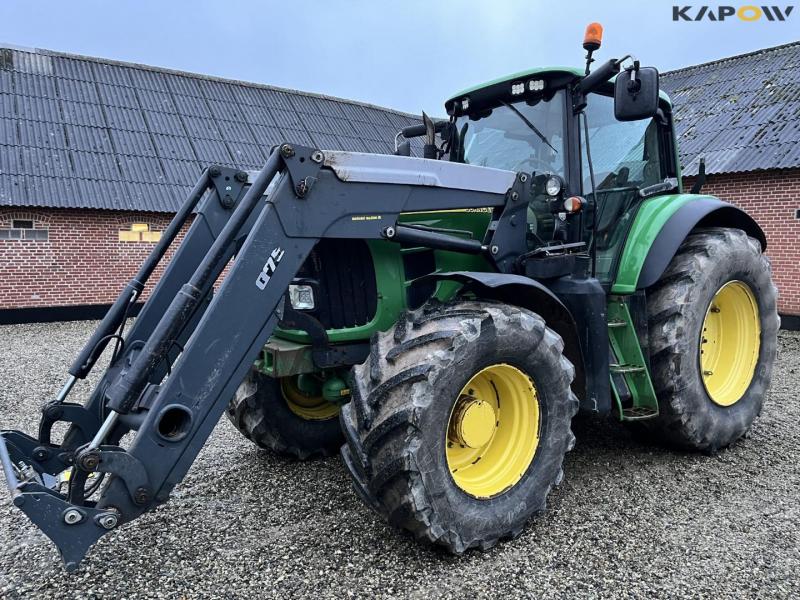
456 415
440 319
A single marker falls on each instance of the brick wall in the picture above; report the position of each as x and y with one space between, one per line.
83 261
772 198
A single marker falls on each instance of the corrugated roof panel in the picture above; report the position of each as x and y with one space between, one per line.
183 172
198 127
353 144
111 73
217 91
167 123
257 115
119 135
323 124
297 136
11 160
246 95
93 165
145 79
76 91
32 62
50 162
179 84
126 119
745 101
38 109
34 85
236 131
8 105
41 134
117 95
277 99
224 110
354 112
73 68
81 113
142 169
287 119
89 139
42 190
191 105
329 108
8 131
211 152
324 141
132 142
247 154
267 136
173 147
158 101
377 147
378 117
13 191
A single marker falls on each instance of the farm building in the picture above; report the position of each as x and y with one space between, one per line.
95 155
742 116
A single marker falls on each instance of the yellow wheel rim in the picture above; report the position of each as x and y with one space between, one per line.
493 431
312 408
729 343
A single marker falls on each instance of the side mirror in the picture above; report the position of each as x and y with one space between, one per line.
636 94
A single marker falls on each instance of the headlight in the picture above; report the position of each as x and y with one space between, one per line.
554 185
301 297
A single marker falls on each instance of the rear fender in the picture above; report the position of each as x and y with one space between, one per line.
662 225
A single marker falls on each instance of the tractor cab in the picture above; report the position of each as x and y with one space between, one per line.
595 143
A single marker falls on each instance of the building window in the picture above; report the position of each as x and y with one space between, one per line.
139 232
23 229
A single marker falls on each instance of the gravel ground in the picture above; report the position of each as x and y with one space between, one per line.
629 520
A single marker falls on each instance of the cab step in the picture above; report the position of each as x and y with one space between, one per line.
638 413
631 385
622 369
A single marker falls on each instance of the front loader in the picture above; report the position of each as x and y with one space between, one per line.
440 319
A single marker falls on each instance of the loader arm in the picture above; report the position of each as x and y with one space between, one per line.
190 348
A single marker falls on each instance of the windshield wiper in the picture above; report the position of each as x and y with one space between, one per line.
670 183
530 125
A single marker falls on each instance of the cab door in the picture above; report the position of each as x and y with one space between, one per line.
627 156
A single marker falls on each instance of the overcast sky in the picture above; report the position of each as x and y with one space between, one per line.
405 54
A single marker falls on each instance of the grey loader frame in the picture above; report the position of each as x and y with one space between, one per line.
172 375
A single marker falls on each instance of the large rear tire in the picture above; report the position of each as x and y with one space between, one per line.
459 422
275 415
713 325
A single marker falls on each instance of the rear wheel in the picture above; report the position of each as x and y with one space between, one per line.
459 422
275 414
713 338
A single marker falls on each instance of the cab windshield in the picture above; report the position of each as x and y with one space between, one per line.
523 136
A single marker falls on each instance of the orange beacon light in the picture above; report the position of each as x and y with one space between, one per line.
593 37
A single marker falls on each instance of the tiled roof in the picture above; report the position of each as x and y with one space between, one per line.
741 113
81 132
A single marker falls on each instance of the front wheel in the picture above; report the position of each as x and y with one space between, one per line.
459 422
275 414
713 336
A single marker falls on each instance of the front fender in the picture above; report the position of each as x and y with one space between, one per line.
531 294
659 229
